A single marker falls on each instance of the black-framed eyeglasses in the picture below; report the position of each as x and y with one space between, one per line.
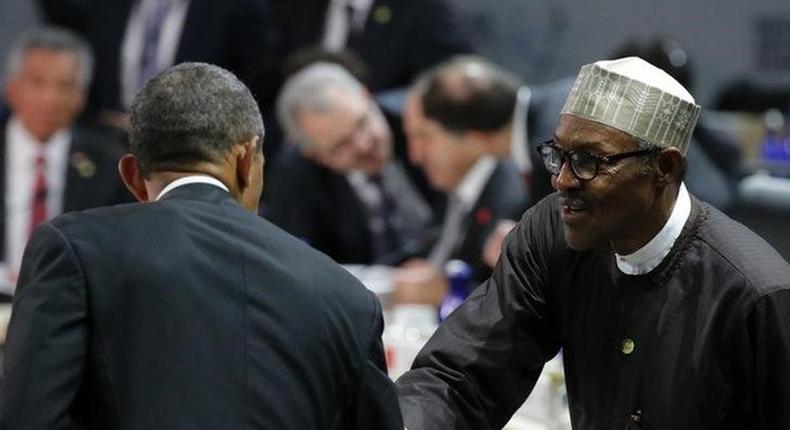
585 166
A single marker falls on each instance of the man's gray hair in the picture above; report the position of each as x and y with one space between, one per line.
642 144
308 90
55 39
193 112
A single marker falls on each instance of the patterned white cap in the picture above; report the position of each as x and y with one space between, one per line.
634 96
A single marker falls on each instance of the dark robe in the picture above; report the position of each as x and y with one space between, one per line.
709 327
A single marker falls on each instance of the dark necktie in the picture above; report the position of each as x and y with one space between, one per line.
38 205
338 25
382 229
451 231
154 19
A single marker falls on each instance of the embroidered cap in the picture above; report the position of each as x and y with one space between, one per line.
634 96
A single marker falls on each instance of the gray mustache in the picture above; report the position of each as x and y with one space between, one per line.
573 202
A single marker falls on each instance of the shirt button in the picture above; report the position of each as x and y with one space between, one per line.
628 346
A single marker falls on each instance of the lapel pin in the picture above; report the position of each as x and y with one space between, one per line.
382 15
85 167
483 216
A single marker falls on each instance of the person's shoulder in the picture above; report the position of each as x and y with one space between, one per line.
290 157
317 276
96 218
98 140
749 258
323 270
292 167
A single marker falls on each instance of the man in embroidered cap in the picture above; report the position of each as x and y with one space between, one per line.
668 313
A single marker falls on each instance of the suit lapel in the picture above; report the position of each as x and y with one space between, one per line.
2 187
306 21
194 27
371 36
74 195
477 223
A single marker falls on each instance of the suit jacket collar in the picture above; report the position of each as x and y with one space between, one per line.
75 172
198 191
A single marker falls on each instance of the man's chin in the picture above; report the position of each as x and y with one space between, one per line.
371 167
577 241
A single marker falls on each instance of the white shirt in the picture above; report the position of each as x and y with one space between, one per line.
648 257
22 149
191 179
519 139
133 41
470 187
368 192
339 24
462 200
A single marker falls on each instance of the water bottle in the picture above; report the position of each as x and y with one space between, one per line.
459 277
776 150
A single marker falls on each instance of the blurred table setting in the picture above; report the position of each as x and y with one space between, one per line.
408 326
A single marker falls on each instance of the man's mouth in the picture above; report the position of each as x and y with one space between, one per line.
574 204
573 209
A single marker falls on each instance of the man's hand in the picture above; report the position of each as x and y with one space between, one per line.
493 245
419 281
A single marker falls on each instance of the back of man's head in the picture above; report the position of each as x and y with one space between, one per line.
191 113
469 93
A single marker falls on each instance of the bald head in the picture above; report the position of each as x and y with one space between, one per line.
470 94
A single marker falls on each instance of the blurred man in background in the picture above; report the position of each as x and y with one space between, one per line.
48 164
338 187
459 119
396 39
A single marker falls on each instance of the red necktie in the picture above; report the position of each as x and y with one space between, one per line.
38 206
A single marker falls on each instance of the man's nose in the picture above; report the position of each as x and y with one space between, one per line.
565 179
362 141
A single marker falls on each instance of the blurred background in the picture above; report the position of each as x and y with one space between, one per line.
733 56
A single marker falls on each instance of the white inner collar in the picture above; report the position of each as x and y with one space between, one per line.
648 257
192 179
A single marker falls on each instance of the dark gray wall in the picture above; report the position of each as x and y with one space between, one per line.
15 16
720 36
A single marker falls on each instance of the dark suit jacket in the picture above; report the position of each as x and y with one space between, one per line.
320 207
189 313
400 38
504 197
92 178
238 35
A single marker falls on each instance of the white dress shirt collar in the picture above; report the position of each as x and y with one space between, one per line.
22 149
192 179
469 189
648 257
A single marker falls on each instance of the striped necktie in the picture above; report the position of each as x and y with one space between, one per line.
38 204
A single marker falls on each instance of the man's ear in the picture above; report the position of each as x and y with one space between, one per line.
245 159
11 92
132 177
669 163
